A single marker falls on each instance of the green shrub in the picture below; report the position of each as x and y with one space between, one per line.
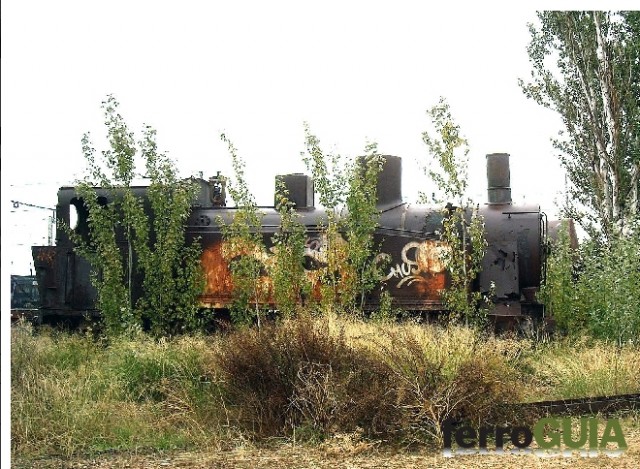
558 292
609 289
596 290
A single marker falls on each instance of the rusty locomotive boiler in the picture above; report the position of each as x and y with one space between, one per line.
408 235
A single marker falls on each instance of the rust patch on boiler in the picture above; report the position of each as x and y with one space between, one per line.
219 284
219 280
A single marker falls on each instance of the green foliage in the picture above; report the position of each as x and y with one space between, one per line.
450 150
594 86
348 240
601 295
330 182
290 283
346 249
609 286
558 292
467 245
462 226
586 67
112 272
328 174
173 278
361 222
385 312
125 244
244 247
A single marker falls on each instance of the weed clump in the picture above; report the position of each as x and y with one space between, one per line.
396 383
298 377
445 373
71 395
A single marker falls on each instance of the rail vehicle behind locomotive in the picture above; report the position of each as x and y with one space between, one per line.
408 235
25 298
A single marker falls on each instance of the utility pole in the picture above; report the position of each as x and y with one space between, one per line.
51 221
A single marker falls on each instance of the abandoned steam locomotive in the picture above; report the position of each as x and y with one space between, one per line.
408 235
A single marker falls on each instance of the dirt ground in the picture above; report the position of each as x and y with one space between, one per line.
337 454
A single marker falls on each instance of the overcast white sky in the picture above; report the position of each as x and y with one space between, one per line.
355 71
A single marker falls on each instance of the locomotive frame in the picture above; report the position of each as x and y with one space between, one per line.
513 266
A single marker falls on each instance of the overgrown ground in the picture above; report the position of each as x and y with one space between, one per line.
313 389
339 452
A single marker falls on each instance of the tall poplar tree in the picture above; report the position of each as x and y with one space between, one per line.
586 67
143 268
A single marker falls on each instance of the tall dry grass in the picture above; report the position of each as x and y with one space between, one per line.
71 394
302 379
582 367
389 381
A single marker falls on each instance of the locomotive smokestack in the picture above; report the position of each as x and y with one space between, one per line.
498 178
389 183
389 186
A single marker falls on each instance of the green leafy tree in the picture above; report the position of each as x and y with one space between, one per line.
462 226
361 221
172 275
586 67
330 182
609 288
347 191
558 292
112 272
244 247
290 284
154 250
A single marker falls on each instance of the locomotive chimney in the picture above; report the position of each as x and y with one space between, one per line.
300 189
498 178
389 184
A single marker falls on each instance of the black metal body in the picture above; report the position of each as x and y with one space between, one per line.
408 235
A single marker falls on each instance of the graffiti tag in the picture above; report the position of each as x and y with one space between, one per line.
418 259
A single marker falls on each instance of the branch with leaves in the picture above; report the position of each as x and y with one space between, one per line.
244 247
127 243
462 226
348 237
586 67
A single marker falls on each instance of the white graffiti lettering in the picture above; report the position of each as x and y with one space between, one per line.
418 259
